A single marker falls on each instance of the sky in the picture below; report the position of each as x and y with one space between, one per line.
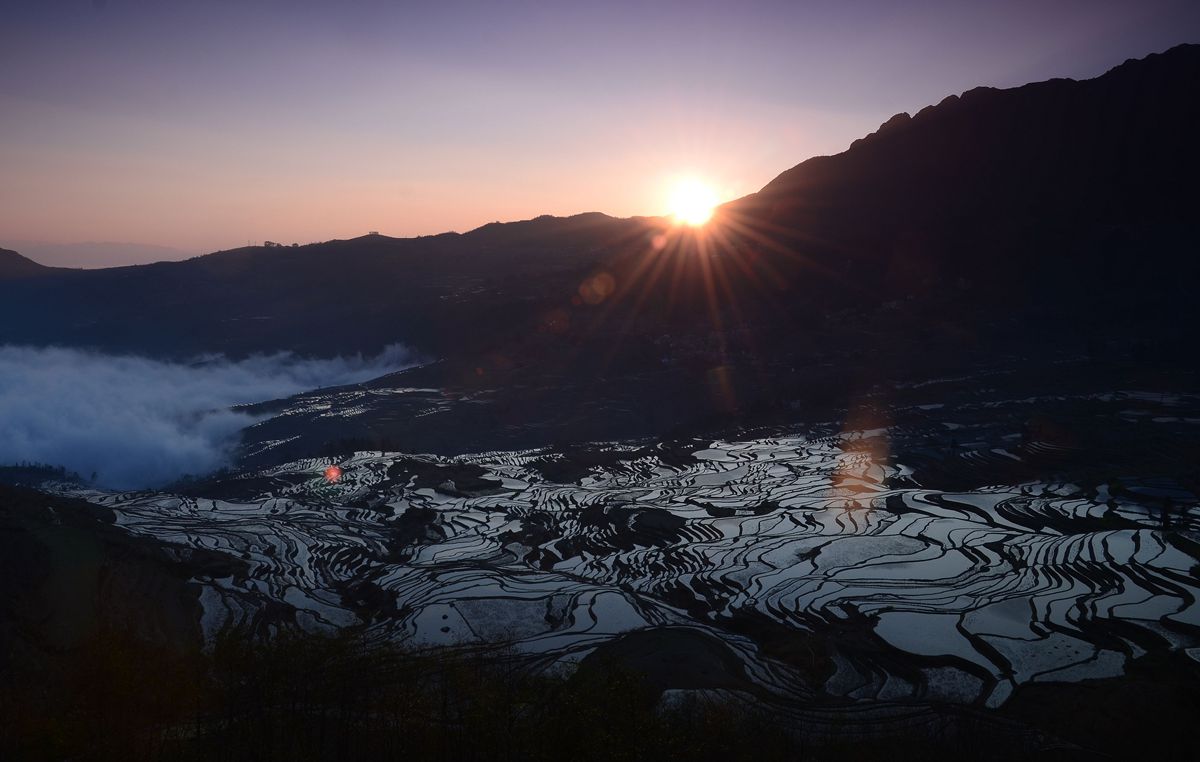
200 125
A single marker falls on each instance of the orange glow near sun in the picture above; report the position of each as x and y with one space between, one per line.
692 202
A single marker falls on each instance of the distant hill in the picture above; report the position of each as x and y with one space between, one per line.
436 292
13 266
95 254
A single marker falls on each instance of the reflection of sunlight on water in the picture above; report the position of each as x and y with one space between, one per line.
1000 585
866 448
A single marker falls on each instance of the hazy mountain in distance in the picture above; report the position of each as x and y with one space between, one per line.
96 254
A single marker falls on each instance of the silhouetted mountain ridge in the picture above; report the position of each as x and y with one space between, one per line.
13 265
993 168
1050 220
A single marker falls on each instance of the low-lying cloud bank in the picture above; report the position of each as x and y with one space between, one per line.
137 422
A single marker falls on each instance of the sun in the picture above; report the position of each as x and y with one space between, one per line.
692 202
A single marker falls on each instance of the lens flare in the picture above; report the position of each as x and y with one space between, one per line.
333 474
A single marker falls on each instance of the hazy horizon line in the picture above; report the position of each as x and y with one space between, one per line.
22 247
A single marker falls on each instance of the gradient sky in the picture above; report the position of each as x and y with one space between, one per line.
205 124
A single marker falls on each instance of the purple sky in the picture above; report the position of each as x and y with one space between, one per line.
201 125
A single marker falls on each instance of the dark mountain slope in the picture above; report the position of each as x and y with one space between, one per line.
1083 189
1092 182
14 266
1002 228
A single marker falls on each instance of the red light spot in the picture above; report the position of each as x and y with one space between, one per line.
597 288
333 474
